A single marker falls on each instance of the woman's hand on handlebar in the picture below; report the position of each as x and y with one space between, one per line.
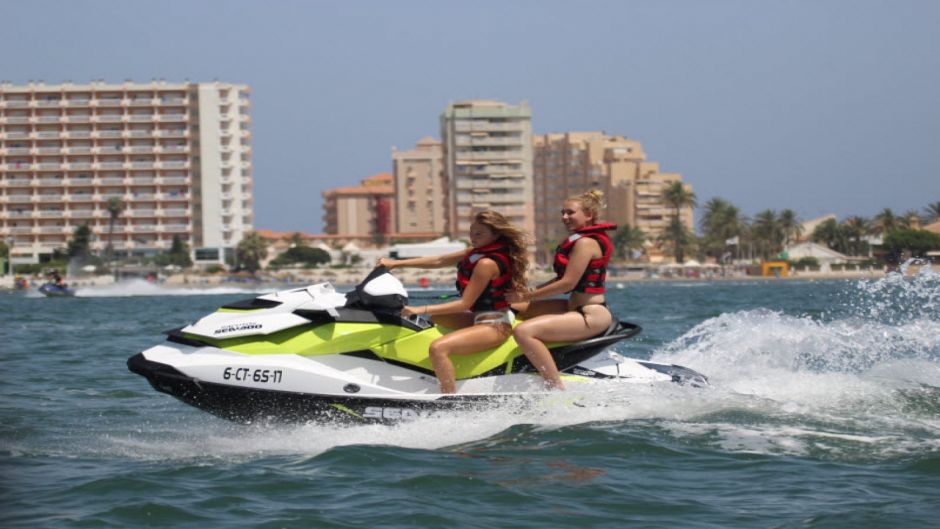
387 262
408 311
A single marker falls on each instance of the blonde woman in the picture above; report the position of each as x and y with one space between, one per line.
581 268
494 266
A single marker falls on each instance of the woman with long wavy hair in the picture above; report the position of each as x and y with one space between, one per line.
494 266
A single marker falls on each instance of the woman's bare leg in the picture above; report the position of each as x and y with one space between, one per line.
531 336
468 340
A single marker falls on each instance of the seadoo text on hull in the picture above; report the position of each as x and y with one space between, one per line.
314 354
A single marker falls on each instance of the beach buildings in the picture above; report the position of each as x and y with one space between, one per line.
177 155
421 195
570 163
365 212
487 150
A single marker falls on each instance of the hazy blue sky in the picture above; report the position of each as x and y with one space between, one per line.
817 105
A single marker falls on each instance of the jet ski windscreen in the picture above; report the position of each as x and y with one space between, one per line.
379 290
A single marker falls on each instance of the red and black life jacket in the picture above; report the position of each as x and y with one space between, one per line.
592 280
494 296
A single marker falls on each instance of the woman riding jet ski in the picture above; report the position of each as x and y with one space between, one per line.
316 354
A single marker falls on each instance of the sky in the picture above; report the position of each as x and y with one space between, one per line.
820 106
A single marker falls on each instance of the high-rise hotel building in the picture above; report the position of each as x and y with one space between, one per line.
420 190
487 162
177 155
570 163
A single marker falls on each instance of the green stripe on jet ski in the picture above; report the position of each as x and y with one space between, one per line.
342 408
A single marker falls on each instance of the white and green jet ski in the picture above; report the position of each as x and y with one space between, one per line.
315 354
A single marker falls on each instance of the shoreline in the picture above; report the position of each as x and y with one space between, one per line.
349 277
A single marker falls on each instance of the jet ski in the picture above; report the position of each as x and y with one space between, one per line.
53 290
314 354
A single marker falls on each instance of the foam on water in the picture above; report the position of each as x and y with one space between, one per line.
139 287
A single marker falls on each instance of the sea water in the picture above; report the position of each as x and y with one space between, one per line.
823 411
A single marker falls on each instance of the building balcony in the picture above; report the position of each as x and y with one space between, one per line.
47 134
174 180
174 148
141 213
141 133
110 165
111 181
175 212
143 181
176 228
21 214
109 118
165 133
174 165
139 118
53 229
16 103
17 135
21 230
16 120
22 182
51 198
172 117
49 103
82 214
143 228
78 150
107 101
109 134
77 102
77 134
53 182
142 102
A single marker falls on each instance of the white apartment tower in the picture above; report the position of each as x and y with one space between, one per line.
487 162
177 155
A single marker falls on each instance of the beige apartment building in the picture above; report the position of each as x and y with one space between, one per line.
177 155
570 163
364 212
487 162
421 196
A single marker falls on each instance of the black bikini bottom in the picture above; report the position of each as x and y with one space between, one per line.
580 310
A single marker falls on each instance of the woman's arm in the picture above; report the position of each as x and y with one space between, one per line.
434 261
485 271
584 250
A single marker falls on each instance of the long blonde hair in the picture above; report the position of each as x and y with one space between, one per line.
515 238
591 201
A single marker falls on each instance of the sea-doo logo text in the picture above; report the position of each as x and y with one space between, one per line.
247 326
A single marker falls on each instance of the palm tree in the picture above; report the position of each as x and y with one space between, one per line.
884 222
721 222
678 196
932 212
627 238
790 226
831 234
854 228
767 233
115 207
251 250
680 237
909 220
